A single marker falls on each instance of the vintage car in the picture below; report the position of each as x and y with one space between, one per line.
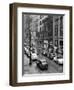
34 55
42 64
60 59
27 51
55 58
44 52
51 56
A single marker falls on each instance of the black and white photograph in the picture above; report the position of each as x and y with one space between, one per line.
42 43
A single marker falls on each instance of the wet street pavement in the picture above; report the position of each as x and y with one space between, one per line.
33 69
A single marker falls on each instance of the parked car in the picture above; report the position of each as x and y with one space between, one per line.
55 58
44 52
26 51
60 59
51 56
51 53
59 51
34 55
42 64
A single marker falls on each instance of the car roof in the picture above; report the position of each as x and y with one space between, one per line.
42 59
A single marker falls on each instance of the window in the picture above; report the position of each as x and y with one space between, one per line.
56 30
61 43
40 29
61 26
40 23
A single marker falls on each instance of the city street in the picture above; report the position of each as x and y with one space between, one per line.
33 69
43 34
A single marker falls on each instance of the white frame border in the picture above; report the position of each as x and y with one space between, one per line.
45 77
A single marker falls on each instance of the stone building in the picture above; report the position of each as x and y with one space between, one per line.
40 30
45 32
58 31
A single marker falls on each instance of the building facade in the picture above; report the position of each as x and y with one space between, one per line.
40 30
44 33
58 31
